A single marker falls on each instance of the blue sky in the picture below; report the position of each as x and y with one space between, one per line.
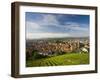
48 25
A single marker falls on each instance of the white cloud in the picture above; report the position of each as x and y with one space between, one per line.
34 29
49 19
46 35
32 25
37 25
53 35
77 26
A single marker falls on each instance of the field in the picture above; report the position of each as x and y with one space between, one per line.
60 60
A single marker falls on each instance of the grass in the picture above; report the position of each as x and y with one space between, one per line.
61 60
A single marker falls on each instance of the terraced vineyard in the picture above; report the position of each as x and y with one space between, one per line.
65 59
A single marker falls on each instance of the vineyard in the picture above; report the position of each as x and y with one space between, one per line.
60 60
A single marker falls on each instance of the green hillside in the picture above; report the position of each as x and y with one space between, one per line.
65 59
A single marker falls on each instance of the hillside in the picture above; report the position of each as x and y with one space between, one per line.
65 59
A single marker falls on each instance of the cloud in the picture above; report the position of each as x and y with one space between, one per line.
46 35
32 27
50 27
53 35
49 19
77 27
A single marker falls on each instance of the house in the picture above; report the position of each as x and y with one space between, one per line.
84 50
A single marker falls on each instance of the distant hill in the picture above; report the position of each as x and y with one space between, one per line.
65 38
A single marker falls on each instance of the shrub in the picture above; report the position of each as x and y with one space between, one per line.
36 55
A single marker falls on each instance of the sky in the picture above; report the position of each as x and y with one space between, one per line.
49 25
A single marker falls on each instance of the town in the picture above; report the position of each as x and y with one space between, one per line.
49 47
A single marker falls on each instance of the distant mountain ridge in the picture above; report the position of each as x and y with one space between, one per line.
59 38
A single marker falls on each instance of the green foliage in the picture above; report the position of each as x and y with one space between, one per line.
35 55
65 59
